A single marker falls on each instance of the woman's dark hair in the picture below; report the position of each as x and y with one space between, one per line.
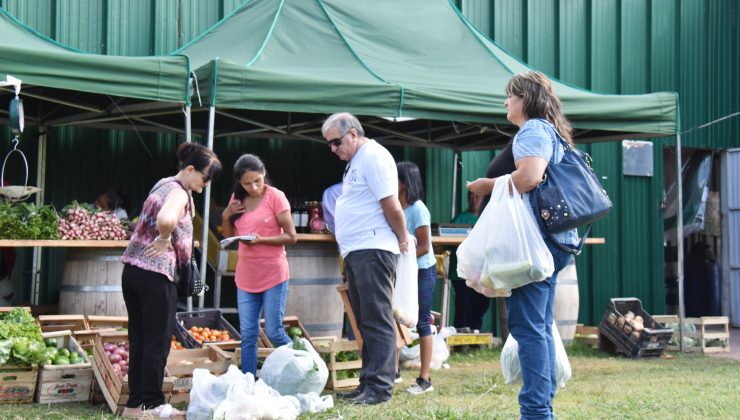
246 163
409 175
201 158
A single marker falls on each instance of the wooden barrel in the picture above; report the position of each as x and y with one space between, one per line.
565 307
312 295
91 283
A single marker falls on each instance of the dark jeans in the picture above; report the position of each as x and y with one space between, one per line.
470 306
371 275
151 300
530 323
427 278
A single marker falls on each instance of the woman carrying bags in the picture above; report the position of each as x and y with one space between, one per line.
258 209
534 108
418 223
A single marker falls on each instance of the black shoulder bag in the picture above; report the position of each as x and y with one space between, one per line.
187 276
570 196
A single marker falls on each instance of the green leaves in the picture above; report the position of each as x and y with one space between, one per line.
26 221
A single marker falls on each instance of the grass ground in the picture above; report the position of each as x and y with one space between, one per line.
602 387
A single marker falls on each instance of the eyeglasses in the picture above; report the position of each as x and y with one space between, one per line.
337 141
206 177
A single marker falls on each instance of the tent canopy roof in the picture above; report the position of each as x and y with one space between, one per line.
417 58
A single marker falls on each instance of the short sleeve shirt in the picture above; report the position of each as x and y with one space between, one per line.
261 267
358 217
538 138
417 215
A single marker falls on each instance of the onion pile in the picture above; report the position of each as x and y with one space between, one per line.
118 358
81 223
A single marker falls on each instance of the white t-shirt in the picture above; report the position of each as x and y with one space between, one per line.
358 217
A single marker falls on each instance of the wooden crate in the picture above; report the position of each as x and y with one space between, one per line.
470 339
65 383
331 349
17 384
181 363
588 335
233 348
51 323
99 322
288 321
114 389
707 328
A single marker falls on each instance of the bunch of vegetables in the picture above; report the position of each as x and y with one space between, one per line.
81 221
344 356
20 339
26 221
118 357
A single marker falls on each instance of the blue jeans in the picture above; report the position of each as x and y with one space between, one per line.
427 278
530 322
272 301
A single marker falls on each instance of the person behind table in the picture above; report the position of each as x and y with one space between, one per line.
371 231
534 108
328 202
470 306
163 236
418 223
114 200
259 209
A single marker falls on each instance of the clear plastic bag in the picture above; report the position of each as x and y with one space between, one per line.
411 358
291 371
515 253
512 370
406 291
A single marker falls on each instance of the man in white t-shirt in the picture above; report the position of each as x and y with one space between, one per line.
371 231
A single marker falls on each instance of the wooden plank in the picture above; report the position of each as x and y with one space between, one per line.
62 243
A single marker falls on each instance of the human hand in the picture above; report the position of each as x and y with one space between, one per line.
481 186
403 243
254 241
234 207
158 246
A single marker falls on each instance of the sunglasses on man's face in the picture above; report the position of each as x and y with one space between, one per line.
337 141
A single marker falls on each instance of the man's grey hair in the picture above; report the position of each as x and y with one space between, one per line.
344 121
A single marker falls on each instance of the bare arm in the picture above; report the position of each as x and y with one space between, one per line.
394 214
234 207
172 210
422 238
526 177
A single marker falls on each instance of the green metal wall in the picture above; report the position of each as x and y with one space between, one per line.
613 46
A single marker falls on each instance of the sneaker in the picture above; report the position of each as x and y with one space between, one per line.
164 411
421 386
398 379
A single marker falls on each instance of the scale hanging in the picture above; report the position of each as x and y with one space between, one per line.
16 192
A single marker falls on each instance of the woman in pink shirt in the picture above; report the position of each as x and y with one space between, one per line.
261 210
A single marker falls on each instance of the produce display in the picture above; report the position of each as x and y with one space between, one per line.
26 221
118 357
629 318
81 221
60 356
344 356
20 339
175 345
205 334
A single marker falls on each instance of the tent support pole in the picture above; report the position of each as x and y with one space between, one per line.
679 245
41 183
206 215
455 165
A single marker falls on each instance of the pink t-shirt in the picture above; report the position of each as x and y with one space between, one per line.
261 267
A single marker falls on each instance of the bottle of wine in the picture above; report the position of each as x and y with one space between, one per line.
295 213
304 218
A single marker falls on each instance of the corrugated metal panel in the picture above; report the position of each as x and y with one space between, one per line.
542 47
438 183
573 60
82 24
129 27
38 14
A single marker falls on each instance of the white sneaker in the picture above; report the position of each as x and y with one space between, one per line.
164 411
420 387
398 378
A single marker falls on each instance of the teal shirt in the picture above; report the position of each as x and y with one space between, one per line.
417 215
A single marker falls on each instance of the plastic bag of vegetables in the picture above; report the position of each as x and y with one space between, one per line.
295 368
512 370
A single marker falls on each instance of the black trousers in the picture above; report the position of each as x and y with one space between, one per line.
470 306
151 300
371 275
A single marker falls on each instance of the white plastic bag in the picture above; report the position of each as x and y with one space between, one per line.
515 254
292 372
512 370
410 356
406 291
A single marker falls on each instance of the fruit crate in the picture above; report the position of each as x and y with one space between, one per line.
103 322
290 322
343 361
211 318
649 342
51 323
114 389
17 384
233 348
65 383
703 333
181 363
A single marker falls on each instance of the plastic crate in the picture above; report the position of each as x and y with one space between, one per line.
650 342
211 318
